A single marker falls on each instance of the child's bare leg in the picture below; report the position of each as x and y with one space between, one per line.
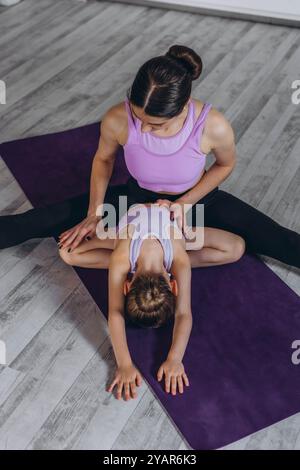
94 253
95 243
219 247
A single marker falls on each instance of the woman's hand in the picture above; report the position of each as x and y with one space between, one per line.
178 212
126 377
73 237
164 202
174 375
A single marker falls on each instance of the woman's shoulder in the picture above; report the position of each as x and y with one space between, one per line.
213 115
217 127
116 117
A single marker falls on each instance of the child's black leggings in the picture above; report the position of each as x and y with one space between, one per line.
221 210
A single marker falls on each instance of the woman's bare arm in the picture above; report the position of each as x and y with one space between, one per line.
102 168
103 161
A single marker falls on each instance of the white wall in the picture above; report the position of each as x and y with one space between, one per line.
288 9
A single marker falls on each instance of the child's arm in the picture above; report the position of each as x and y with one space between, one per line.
126 376
173 368
118 269
181 268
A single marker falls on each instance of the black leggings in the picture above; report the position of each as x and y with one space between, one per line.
221 210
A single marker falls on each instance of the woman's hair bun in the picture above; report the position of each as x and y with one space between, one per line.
188 58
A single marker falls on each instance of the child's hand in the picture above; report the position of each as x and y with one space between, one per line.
127 377
174 375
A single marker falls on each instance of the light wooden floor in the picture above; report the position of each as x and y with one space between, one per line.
65 62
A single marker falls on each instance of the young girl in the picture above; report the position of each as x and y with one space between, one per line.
150 281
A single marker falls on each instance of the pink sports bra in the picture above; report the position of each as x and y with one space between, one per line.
166 164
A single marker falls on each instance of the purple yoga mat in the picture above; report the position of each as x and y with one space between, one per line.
238 358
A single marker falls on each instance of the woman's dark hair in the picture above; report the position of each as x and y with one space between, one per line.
163 84
150 303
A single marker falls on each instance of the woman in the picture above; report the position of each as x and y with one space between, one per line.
166 135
